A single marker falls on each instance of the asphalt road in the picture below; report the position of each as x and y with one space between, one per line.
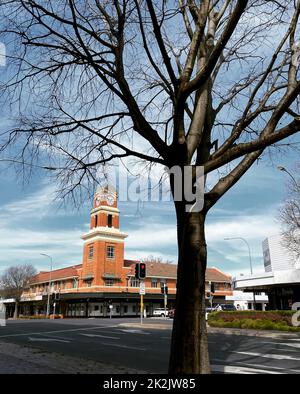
104 340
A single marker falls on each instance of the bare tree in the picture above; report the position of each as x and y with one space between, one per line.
14 281
289 214
154 259
209 83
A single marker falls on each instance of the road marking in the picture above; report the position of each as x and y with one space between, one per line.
47 340
56 331
98 336
272 356
123 346
133 331
294 345
259 366
293 339
241 370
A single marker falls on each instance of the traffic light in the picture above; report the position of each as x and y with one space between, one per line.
164 289
140 270
55 297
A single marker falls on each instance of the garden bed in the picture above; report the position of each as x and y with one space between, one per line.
256 320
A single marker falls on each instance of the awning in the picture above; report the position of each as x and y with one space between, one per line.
88 277
109 276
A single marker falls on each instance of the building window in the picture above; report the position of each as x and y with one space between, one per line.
154 283
91 251
89 282
109 220
134 282
96 220
110 252
109 282
163 282
74 283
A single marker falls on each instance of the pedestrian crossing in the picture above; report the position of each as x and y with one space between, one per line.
273 357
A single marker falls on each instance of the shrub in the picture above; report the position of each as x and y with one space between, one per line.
257 320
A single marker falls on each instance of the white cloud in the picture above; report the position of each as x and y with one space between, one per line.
140 254
152 236
21 241
249 227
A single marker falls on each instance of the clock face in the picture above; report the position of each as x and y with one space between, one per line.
110 199
98 201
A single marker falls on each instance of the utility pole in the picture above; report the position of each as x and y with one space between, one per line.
49 287
250 261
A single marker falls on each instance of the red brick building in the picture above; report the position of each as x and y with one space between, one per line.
105 278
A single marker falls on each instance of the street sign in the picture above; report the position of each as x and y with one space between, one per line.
142 288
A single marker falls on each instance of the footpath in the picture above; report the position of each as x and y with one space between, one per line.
17 359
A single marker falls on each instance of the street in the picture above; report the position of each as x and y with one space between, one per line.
147 349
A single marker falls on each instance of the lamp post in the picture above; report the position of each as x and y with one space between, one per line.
250 259
283 169
49 287
249 252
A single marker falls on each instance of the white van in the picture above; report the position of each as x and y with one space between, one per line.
160 312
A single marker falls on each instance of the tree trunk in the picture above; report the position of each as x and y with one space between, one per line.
189 349
16 312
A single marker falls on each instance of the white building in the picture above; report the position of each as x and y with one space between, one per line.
281 279
276 256
245 300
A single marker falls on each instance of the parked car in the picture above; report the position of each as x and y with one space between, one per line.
160 312
226 307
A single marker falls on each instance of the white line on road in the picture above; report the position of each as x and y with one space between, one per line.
240 370
259 366
272 356
123 346
56 331
47 340
98 336
133 331
294 345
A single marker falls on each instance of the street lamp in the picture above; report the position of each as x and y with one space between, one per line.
281 168
49 287
249 252
250 260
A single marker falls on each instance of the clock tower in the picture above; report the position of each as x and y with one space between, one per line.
103 251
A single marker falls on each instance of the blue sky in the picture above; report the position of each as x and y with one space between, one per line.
32 223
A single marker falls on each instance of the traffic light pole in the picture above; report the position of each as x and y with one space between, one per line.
165 299
142 308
